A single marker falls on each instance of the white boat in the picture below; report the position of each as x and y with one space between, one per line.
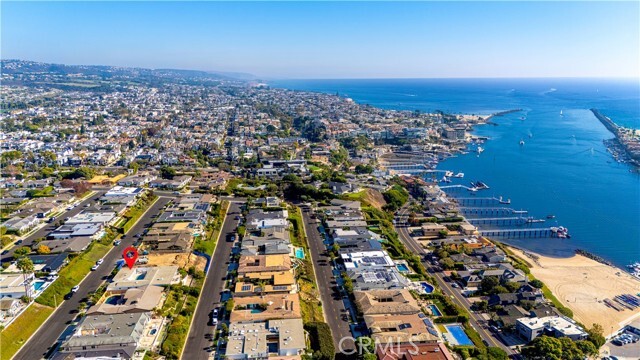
561 113
448 173
480 149
521 142
459 175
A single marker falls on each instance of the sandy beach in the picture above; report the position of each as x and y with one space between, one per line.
581 284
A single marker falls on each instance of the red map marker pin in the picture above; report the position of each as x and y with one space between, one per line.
130 256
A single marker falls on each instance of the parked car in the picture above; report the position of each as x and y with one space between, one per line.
19 242
95 267
116 243
99 261
75 289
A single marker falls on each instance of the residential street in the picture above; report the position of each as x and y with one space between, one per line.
332 303
491 339
47 228
199 342
46 337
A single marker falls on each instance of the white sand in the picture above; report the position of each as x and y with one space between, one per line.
581 284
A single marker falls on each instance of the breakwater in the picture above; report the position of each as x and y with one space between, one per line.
593 257
625 147
501 113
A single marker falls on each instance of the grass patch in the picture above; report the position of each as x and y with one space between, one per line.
473 336
297 229
310 305
72 274
13 337
180 307
207 243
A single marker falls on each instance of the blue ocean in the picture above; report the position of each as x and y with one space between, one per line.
563 168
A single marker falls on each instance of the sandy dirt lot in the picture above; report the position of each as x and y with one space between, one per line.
581 284
183 260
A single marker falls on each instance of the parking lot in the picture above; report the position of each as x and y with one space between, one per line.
614 348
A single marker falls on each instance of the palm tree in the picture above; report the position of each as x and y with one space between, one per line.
262 284
26 266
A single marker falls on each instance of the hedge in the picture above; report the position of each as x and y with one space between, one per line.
321 340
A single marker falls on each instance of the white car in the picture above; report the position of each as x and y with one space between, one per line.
95 267
75 288
99 261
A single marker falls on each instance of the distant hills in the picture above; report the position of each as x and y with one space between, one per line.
17 67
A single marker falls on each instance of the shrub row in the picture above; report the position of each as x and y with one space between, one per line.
321 340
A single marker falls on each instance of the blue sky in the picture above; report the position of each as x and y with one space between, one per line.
333 39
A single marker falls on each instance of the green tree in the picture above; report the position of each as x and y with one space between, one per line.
488 284
596 335
21 252
364 169
481 305
167 172
536 283
543 348
587 347
447 263
495 353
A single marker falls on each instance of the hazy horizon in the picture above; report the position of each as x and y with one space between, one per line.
290 40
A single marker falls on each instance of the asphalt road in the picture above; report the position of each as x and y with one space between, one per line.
47 336
199 341
332 303
50 227
475 318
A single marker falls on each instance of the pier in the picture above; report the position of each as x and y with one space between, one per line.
501 221
481 201
519 233
491 211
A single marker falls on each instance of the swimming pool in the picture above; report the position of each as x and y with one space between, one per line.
37 285
256 311
402 268
113 300
434 310
428 288
299 253
458 334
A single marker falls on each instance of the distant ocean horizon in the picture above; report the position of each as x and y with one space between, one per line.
562 169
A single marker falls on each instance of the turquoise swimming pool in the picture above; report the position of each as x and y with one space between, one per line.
402 268
37 285
458 334
300 253
434 310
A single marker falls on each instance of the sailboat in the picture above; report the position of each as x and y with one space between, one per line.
521 142
561 113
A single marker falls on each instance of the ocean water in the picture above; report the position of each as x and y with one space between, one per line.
562 169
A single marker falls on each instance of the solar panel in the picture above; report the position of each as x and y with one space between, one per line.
246 287
280 287
369 277
404 326
432 331
374 260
